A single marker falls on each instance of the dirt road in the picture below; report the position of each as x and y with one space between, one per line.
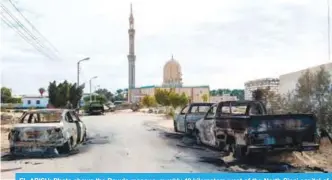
120 142
133 142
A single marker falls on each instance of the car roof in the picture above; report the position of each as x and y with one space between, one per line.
195 104
47 110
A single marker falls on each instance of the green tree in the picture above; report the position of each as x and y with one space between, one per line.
106 93
183 99
213 92
52 93
41 91
313 94
205 97
174 99
239 93
162 97
60 93
149 101
6 95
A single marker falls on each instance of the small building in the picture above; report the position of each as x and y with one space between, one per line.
225 97
34 101
250 86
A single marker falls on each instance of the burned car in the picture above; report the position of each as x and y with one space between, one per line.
244 128
186 119
45 130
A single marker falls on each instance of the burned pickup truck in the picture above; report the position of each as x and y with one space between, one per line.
185 121
244 128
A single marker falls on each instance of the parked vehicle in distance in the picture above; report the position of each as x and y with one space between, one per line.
185 121
244 128
46 129
96 108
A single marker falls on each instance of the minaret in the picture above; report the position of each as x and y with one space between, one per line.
131 55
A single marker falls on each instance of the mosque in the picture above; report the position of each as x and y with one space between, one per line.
172 76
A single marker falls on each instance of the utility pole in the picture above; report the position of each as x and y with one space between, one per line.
91 87
78 76
328 30
96 88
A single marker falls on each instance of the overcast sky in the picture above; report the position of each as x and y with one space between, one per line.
220 43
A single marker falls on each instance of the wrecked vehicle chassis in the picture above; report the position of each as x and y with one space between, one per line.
43 131
241 139
244 133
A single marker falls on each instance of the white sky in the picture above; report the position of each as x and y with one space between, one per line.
220 43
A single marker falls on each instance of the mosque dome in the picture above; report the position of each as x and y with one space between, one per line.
172 73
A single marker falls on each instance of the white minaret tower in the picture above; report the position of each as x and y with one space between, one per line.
131 55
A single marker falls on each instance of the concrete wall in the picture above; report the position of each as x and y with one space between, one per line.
195 92
288 81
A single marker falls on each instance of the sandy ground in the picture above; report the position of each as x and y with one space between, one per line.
7 120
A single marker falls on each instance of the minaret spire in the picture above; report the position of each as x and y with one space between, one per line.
131 17
131 56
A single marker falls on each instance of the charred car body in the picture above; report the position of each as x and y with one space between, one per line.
243 127
185 121
43 130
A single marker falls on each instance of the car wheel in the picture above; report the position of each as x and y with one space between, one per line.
197 137
239 152
65 148
12 150
175 127
84 137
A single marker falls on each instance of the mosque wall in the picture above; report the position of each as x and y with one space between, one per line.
195 93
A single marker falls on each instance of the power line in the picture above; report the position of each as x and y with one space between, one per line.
23 36
33 27
33 37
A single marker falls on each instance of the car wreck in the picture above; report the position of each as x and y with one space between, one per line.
244 128
185 121
45 130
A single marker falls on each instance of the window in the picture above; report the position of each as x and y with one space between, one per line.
73 115
38 102
29 101
185 110
211 113
225 110
234 109
42 117
68 117
200 109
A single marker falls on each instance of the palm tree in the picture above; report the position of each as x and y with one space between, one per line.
41 91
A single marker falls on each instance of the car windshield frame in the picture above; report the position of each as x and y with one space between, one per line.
38 117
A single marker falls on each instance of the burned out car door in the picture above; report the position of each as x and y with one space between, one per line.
196 112
207 126
79 126
72 127
180 119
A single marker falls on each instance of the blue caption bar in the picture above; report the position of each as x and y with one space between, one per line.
173 176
